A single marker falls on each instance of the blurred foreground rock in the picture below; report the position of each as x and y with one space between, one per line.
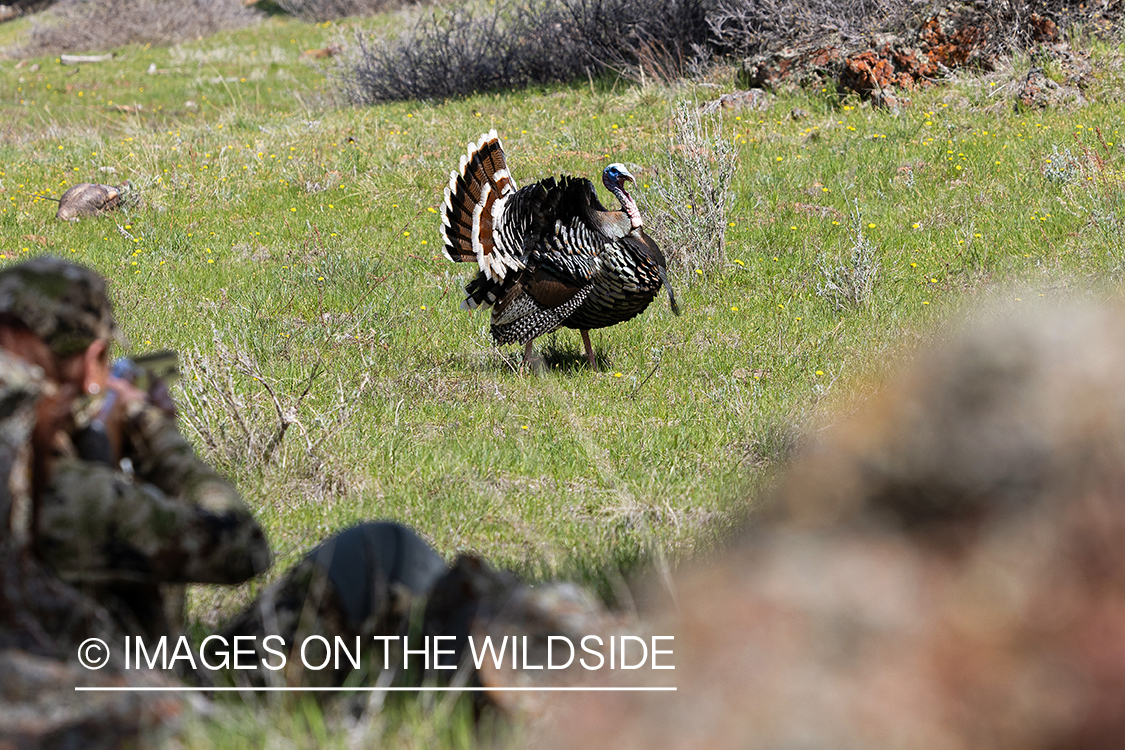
944 571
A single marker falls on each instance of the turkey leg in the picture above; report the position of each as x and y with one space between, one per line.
589 349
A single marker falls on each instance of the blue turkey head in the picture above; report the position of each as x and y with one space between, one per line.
615 175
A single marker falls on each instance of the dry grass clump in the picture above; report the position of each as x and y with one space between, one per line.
512 44
87 25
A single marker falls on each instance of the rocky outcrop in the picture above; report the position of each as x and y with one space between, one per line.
1038 91
887 66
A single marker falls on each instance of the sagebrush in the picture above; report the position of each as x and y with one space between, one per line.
850 283
690 196
331 10
512 44
96 25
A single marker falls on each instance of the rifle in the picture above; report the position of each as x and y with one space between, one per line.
151 373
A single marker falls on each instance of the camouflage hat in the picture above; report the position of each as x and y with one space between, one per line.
62 303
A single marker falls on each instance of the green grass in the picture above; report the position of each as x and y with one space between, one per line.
281 239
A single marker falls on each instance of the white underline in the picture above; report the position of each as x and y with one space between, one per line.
429 689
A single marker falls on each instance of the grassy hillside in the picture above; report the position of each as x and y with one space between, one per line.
289 250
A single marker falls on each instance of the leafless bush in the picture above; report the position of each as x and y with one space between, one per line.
850 284
84 25
747 27
240 415
512 43
642 38
750 26
330 10
690 195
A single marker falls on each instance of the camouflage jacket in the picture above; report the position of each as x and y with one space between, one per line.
175 520
38 612
20 386
94 529
42 619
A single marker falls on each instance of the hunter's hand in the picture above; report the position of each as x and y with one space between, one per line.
127 400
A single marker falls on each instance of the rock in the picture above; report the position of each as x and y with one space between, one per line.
806 67
79 59
954 37
1038 91
754 99
1043 29
325 52
943 570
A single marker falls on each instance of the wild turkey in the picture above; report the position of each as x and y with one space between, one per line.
550 254
88 199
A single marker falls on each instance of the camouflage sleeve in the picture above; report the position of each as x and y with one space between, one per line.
162 457
20 387
176 521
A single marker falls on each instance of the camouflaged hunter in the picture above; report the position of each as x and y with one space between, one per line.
121 538
85 550
88 551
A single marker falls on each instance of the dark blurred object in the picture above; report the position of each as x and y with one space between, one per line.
945 570
39 707
375 579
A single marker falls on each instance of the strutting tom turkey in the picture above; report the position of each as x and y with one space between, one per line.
550 254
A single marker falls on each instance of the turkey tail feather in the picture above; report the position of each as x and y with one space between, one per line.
474 199
671 294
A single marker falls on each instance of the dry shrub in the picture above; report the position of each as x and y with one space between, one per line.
248 421
1093 179
850 283
88 25
748 27
330 10
512 44
690 195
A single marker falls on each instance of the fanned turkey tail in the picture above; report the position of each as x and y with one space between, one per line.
474 200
